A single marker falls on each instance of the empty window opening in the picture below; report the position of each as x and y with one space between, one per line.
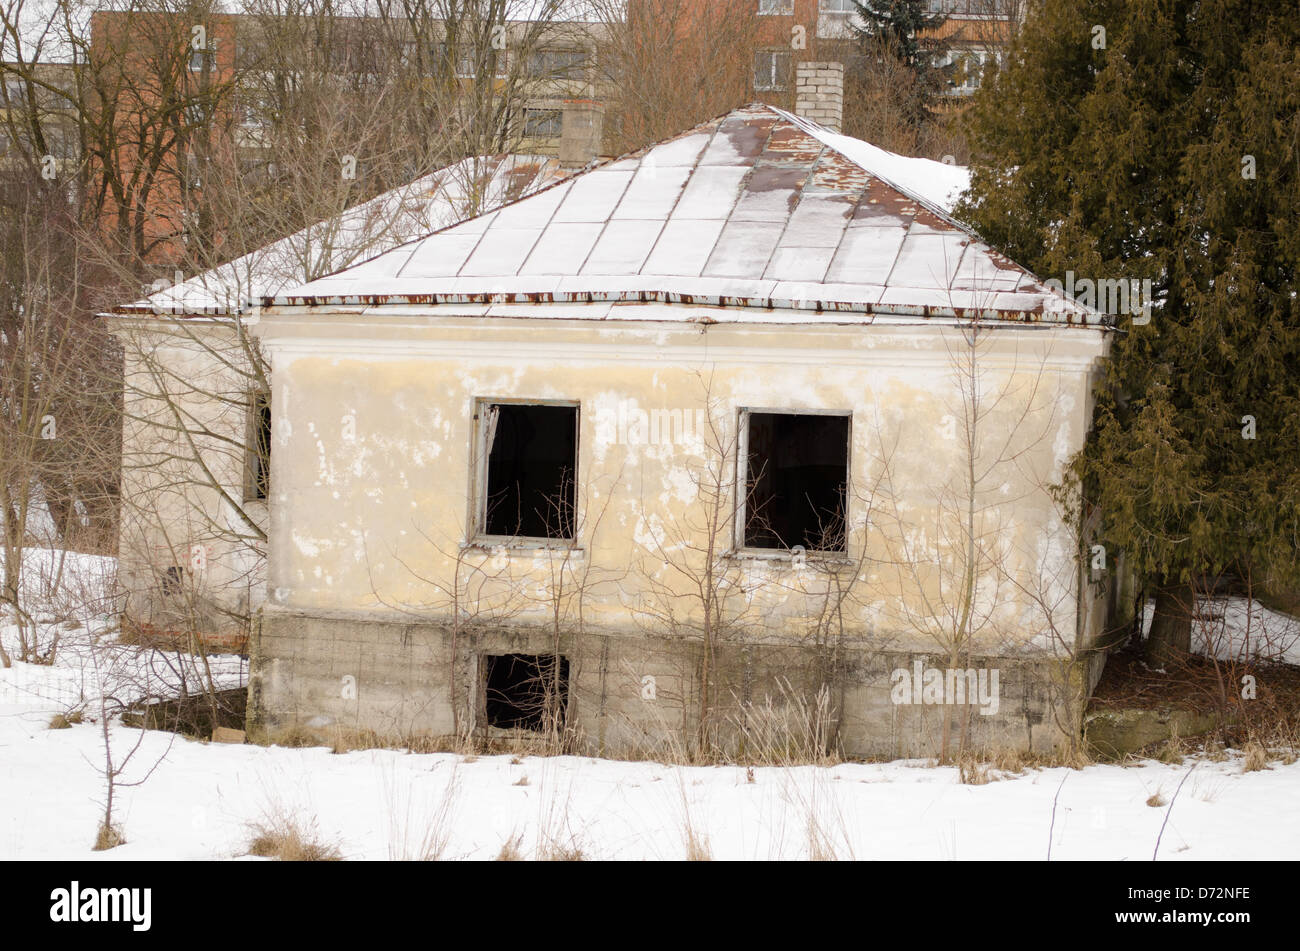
797 481
172 580
543 123
532 461
526 691
259 450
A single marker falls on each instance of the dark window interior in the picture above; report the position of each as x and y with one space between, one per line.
172 579
519 687
798 469
259 482
532 459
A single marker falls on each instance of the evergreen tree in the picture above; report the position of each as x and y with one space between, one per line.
898 24
895 28
1160 139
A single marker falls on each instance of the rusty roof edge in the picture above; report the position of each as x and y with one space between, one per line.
926 311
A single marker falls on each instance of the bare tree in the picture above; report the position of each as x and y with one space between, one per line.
672 64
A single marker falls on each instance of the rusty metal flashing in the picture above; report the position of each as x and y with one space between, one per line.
925 312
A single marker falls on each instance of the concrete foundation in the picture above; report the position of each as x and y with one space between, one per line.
630 694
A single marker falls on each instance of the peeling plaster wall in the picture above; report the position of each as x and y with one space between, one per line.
373 484
173 512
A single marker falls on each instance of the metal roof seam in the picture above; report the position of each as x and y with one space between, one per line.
785 226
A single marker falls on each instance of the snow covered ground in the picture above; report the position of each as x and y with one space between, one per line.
200 800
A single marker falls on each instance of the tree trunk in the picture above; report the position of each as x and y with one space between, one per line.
1170 639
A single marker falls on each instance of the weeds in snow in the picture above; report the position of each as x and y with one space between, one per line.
289 838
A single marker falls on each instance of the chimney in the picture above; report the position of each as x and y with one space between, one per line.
582 131
819 93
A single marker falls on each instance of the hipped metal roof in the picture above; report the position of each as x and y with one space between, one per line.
758 208
427 204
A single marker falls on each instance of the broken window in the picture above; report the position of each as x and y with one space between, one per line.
526 691
797 474
259 450
532 463
172 579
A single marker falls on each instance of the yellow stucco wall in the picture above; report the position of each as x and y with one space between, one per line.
372 470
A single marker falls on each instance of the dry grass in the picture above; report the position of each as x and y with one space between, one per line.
521 781
419 830
511 850
695 842
288 838
296 736
1155 800
108 837
552 851
1256 757
794 731
557 841
697 848
1173 752
972 772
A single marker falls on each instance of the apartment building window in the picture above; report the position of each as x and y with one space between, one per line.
838 6
543 123
775 7
528 464
254 113
772 69
997 9
796 476
203 59
556 64
968 71
250 51
463 65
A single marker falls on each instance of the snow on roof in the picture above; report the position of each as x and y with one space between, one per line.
430 203
756 208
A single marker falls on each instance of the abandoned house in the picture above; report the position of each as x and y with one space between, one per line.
738 424
197 428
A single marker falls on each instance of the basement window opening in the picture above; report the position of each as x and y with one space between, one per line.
796 485
531 465
526 691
